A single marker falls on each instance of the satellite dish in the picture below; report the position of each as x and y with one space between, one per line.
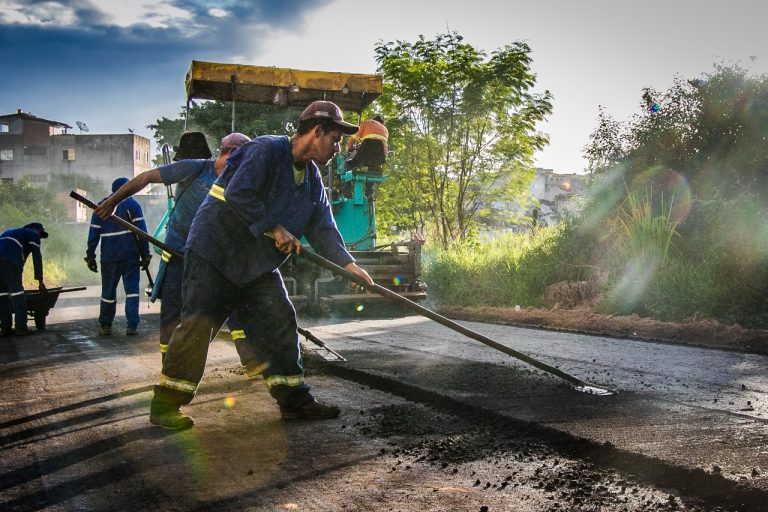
83 127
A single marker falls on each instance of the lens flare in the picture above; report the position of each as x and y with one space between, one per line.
359 308
396 280
229 402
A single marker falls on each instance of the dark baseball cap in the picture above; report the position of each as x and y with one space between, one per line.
38 227
331 111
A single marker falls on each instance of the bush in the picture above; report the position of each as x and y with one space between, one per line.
507 269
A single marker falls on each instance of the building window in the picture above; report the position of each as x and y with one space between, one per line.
5 128
6 154
68 154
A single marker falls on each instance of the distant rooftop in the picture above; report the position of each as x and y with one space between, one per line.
29 117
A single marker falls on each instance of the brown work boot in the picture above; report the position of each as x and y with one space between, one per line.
131 331
313 410
105 330
171 419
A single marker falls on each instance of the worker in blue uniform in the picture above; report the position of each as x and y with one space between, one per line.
193 174
123 255
271 186
15 246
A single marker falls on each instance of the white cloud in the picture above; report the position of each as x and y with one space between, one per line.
117 13
217 13
43 13
157 14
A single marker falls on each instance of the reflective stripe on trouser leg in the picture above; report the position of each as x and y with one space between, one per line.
7 271
131 277
16 305
268 312
207 301
254 367
110 277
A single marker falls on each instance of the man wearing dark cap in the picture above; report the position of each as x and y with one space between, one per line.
192 145
268 197
193 174
122 256
15 246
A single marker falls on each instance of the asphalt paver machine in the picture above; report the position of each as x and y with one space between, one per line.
351 185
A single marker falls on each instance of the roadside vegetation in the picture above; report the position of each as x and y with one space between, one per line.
675 226
64 249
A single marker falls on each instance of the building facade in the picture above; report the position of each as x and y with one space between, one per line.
40 150
555 195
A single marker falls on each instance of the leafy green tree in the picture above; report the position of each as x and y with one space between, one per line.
712 130
462 125
214 119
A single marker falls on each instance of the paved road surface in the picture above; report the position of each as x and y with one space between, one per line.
432 421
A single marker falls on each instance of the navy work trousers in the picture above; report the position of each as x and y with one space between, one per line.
12 301
170 312
263 308
111 274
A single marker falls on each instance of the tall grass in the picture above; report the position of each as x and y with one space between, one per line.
505 269
712 264
641 238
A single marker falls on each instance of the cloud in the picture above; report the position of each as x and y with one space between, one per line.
89 54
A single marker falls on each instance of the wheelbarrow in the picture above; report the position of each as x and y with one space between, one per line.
40 302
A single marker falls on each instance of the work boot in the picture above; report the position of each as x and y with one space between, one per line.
105 330
313 410
22 331
172 419
131 331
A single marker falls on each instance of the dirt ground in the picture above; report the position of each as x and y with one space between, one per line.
703 333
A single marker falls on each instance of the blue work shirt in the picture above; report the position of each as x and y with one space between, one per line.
117 242
255 193
194 178
17 244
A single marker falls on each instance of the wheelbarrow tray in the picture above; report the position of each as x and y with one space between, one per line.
40 302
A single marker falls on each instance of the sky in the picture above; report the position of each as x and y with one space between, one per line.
120 64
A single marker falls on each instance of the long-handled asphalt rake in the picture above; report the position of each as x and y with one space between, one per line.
577 383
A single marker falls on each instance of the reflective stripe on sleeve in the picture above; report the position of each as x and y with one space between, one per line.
117 233
238 334
217 191
163 348
166 256
285 380
15 294
374 136
33 243
177 384
11 238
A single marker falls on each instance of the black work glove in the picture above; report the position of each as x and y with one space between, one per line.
91 262
144 263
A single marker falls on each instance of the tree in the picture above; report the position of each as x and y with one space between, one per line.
214 119
712 130
462 126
